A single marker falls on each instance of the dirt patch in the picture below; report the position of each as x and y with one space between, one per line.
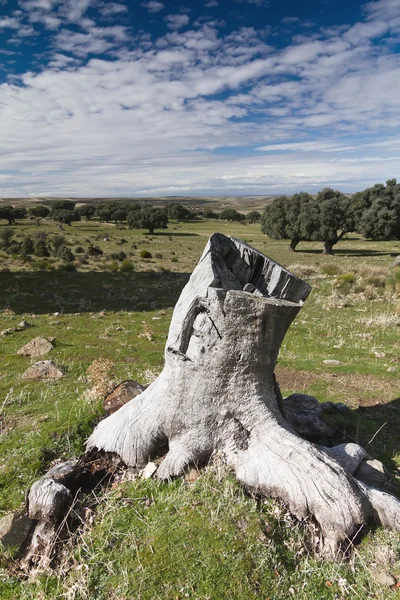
352 388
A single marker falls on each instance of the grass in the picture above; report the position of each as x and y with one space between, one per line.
198 549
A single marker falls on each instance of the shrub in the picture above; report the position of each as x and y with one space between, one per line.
79 250
40 248
94 250
174 260
65 254
127 266
158 255
330 270
68 266
42 265
145 254
27 246
112 266
14 248
118 255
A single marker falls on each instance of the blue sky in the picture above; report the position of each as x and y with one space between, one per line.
215 97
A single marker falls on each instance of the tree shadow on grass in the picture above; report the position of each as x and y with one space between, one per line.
172 234
376 428
346 252
44 292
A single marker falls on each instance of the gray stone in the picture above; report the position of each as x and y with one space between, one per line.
382 577
14 529
44 369
149 470
8 331
39 346
331 362
24 324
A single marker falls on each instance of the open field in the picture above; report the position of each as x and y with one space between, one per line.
202 540
243 204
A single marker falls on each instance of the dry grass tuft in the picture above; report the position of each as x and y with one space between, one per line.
99 375
381 320
304 270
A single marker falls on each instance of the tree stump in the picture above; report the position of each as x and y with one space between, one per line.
218 392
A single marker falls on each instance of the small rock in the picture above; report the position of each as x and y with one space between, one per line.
379 354
24 324
123 393
102 313
382 577
8 331
149 470
56 314
36 347
343 409
331 362
44 369
14 529
391 369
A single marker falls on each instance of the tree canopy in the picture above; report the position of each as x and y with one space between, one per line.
301 217
147 218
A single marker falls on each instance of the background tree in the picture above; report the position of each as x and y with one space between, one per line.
230 214
40 211
87 211
380 217
11 213
62 205
66 216
253 216
209 213
327 218
147 218
119 215
178 212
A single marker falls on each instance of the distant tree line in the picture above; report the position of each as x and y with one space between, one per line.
374 213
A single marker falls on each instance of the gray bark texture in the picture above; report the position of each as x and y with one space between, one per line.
218 392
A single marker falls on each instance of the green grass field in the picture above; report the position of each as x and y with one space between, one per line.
207 539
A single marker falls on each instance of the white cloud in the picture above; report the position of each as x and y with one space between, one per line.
153 6
112 8
165 105
177 21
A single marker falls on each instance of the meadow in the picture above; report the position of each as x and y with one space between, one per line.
201 537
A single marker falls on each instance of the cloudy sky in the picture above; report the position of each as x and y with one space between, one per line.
170 97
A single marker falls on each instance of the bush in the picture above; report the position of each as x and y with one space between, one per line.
112 266
118 255
127 266
42 265
65 254
14 248
68 266
145 254
330 270
27 246
158 255
174 260
94 250
79 250
40 248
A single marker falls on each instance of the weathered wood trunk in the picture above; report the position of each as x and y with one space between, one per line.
218 392
293 244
